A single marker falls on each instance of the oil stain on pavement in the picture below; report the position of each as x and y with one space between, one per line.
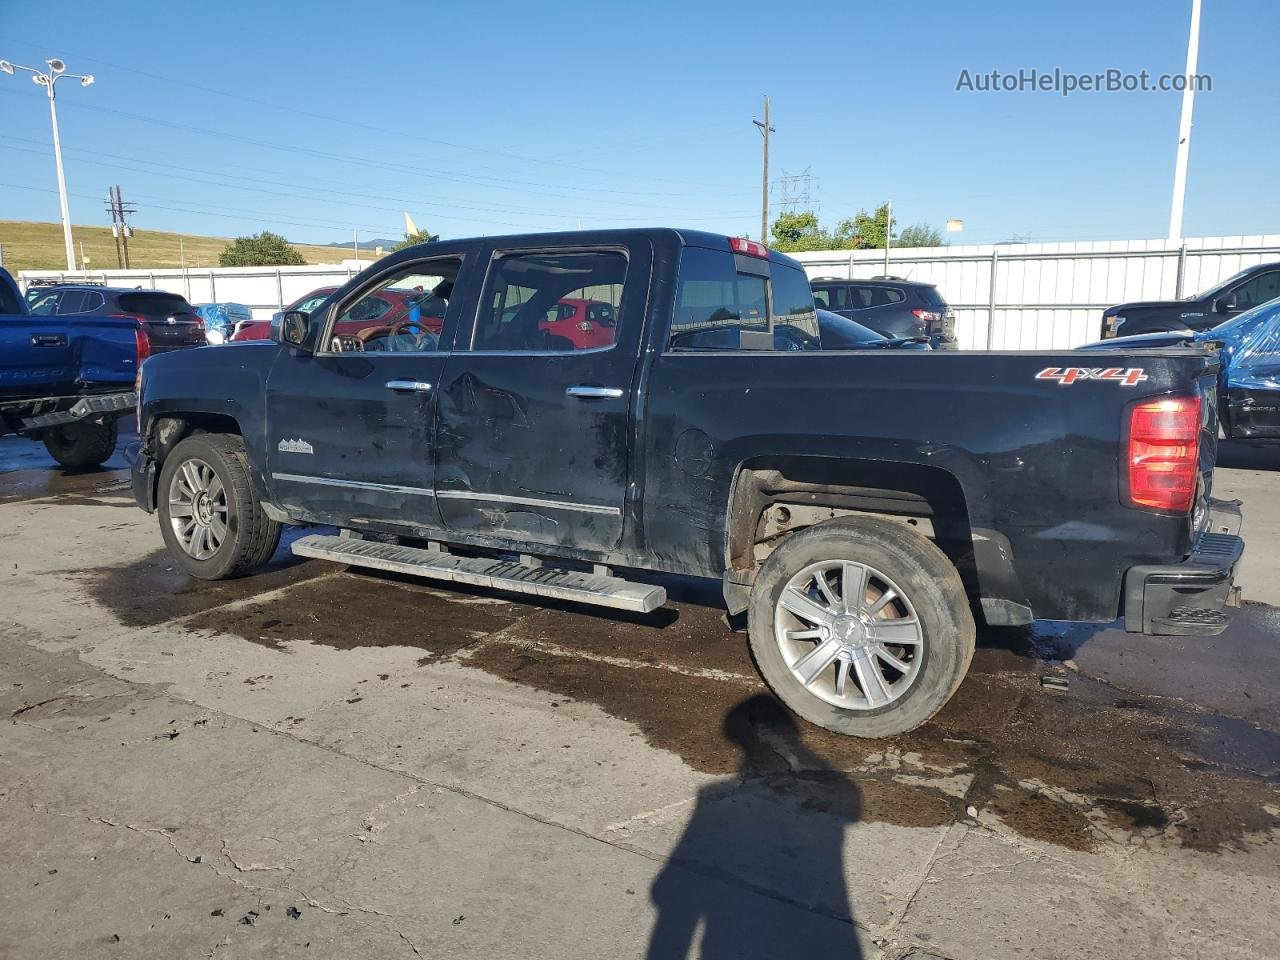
1082 768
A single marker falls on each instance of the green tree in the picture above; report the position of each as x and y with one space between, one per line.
794 232
919 235
866 231
413 239
265 249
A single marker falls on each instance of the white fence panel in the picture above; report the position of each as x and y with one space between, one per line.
1050 296
1035 296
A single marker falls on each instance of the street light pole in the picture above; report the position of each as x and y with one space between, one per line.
57 70
1184 128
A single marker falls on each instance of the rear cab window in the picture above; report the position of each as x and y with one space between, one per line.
731 301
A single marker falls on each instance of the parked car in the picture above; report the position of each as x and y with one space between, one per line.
390 306
840 333
1249 374
221 319
261 329
41 285
1243 291
65 380
587 324
891 306
171 323
834 333
860 506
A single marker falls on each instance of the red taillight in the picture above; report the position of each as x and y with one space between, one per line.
749 247
926 316
1164 453
143 343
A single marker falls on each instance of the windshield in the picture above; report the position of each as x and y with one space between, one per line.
1222 285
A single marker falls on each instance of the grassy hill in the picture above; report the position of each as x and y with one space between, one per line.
38 246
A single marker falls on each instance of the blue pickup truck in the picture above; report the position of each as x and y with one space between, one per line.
66 380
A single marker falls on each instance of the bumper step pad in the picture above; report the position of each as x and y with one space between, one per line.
581 587
1192 622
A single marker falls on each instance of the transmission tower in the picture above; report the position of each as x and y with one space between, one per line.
796 192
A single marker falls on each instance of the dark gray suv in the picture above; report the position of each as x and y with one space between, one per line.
890 306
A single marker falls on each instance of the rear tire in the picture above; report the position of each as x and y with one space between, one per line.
915 634
81 443
210 517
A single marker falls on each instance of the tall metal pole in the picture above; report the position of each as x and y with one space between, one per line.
765 129
62 181
1184 128
355 241
57 70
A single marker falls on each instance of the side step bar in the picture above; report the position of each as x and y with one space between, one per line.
573 585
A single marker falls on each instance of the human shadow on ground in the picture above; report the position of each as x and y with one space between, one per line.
759 871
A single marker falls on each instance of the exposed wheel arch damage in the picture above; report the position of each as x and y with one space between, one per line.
772 498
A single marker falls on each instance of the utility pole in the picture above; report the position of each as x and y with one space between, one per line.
765 130
888 234
355 241
1184 128
115 226
120 228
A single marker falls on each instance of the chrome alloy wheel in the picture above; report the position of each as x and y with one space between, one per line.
849 634
198 509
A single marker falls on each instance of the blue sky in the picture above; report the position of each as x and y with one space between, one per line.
477 118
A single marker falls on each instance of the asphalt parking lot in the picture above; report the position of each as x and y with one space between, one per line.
322 763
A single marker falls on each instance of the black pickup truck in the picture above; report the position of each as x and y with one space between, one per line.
1240 292
865 508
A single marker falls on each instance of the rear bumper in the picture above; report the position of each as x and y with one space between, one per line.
1187 598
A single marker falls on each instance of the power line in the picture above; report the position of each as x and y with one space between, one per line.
347 121
93 154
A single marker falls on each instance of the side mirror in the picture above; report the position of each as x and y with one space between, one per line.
291 327
1226 304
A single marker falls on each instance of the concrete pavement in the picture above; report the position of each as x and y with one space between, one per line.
321 763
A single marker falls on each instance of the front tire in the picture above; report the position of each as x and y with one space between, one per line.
82 443
861 626
210 517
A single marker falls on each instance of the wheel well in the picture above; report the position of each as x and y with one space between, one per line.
168 431
772 499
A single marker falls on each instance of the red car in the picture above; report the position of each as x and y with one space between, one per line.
588 323
380 309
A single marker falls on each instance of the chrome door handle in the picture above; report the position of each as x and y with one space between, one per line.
48 340
408 386
595 393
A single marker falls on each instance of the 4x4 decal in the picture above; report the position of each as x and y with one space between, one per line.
1066 376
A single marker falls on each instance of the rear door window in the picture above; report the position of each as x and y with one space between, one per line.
154 304
72 302
520 308
726 302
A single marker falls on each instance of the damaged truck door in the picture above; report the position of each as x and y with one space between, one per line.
534 430
351 411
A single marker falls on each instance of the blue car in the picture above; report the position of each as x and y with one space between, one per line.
1249 379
